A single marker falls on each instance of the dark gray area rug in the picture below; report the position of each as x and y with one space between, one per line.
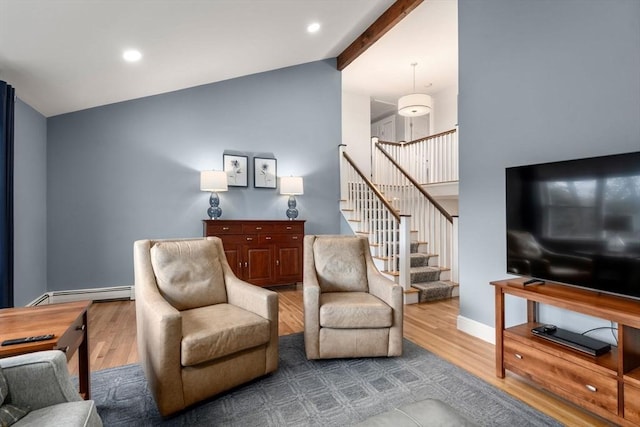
319 393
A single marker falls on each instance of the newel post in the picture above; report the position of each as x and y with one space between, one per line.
405 252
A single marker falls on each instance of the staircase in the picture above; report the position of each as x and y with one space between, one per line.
402 220
427 277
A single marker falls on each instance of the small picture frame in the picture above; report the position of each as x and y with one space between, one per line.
264 173
236 169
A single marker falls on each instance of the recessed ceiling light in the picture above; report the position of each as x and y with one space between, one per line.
313 28
132 55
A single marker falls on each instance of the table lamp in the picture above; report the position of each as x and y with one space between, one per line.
291 186
213 181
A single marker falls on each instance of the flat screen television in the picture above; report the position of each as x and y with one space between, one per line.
577 223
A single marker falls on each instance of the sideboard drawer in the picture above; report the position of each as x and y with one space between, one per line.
562 376
289 227
257 228
284 238
214 228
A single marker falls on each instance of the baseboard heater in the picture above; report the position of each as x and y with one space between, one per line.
96 294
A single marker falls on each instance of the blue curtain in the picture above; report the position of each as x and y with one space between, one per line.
7 101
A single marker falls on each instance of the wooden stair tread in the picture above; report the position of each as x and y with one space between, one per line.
391 273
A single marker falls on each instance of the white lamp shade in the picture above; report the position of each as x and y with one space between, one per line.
413 105
213 181
291 185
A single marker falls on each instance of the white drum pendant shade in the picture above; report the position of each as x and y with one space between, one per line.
414 105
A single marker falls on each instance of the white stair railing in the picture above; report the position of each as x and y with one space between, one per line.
428 160
432 223
375 217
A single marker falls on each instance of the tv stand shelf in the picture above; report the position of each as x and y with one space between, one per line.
607 385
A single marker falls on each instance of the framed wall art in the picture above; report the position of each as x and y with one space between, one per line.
237 170
264 173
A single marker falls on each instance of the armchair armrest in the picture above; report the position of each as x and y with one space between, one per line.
40 379
311 300
262 302
383 288
159 333
393 295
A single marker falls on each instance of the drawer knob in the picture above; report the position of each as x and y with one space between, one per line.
518 356
294 238
277 262
591 388
225 228
249 238
267 238
81 328
289 227
258 228
246 264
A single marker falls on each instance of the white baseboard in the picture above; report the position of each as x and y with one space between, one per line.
477 329
96 294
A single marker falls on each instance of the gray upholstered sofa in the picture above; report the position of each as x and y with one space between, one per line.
350 308
40 382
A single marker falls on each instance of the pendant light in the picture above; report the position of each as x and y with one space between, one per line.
414 104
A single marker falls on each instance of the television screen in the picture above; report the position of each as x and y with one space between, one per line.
577 222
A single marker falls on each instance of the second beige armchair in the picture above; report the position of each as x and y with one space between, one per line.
350 308
201 330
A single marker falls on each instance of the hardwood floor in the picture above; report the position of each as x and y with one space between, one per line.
112 342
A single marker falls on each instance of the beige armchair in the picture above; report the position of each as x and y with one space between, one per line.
201 330
350 309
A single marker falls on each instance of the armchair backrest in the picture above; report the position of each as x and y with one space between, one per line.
189 273
340 263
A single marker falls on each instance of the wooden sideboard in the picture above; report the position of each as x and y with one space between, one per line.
261 252
607 385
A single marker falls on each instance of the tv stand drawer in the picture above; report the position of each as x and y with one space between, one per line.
632 403
575 383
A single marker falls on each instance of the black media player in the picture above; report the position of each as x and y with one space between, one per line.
573 340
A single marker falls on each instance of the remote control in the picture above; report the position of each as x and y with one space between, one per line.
27 339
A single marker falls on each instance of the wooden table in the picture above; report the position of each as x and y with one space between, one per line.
68 323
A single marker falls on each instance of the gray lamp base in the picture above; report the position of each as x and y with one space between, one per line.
214 211
292 212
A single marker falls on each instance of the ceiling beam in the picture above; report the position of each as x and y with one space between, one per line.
396 12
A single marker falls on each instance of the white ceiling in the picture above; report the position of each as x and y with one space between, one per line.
428 36
65 55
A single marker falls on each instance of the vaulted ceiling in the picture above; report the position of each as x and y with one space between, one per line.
66 55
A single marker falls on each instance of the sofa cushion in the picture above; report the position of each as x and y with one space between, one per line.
189 273
4 387
82 413
340 264
347 310
9 414
220 330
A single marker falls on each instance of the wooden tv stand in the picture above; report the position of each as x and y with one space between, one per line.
607 385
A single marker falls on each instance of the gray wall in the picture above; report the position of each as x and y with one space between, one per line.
131 170
30 204
539 81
